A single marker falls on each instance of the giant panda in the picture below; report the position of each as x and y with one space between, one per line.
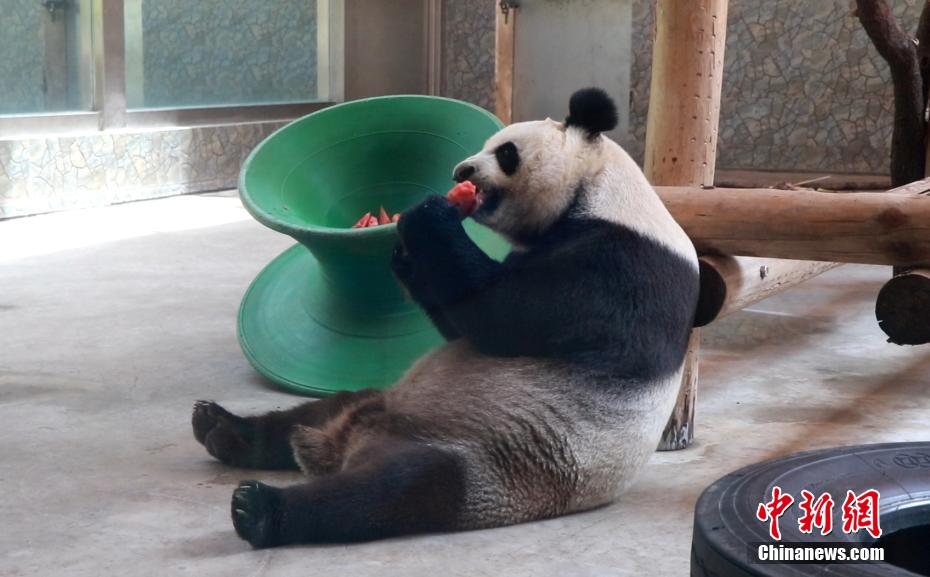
562 363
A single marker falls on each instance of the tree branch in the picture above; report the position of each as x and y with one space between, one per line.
900 52
880 24
923 49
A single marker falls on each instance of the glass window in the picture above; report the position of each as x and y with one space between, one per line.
46 64
218 53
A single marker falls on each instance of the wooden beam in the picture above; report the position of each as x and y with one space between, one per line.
505 34
729 284
862 227
681 136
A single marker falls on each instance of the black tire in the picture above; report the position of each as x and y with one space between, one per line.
725 516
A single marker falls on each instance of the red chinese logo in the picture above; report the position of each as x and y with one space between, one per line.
773 510
861 513
817 513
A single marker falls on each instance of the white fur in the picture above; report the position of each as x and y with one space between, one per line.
620 193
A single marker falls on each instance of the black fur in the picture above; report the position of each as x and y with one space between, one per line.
592 110
406 272
629 301
262 442
437 261
392 487
508 158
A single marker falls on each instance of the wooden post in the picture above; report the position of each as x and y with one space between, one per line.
679 432
681 136
684 102
505 33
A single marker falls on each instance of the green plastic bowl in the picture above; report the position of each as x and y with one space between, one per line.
328 315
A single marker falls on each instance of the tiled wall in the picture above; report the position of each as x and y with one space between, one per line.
804 90
22 57
47 174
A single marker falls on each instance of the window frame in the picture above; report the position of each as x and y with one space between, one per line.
110 113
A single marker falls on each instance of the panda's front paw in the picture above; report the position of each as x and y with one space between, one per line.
428 223
402 264
406 271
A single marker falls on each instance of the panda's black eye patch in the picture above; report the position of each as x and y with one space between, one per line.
507 158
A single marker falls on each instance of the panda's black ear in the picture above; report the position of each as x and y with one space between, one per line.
592 110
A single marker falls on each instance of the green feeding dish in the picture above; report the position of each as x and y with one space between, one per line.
328 315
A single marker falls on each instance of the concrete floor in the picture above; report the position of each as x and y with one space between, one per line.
104 348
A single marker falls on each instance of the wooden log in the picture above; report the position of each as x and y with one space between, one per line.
505 31
903 308
681 136
861 227
918 187
729 284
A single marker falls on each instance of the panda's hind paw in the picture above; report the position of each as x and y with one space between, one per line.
224 435
254 508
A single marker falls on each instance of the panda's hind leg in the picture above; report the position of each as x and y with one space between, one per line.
264 441
387 488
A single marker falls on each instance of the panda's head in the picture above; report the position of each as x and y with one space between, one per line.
528 174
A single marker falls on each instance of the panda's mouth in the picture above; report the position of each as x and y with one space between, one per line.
480 197
486 201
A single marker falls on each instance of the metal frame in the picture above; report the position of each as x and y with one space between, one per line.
433 42
110 112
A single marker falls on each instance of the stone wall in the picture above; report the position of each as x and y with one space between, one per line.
46 174
468 51
229 52
804 90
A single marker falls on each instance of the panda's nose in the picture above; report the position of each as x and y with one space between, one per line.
463 172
